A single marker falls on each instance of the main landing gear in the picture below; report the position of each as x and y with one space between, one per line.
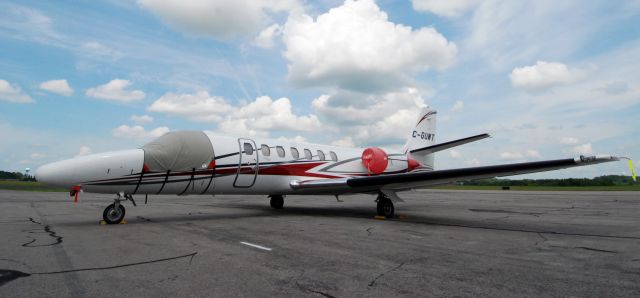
385 206
114 213
277 201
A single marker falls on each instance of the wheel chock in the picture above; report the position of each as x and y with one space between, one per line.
124 222
402 217
379 217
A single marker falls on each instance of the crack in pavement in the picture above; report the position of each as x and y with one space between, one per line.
585 248
314 291
369 231
11 221
144 218
70 281
373 282
536 214
190 256
596 249
7 275
544 239
498 219
520 230
47 229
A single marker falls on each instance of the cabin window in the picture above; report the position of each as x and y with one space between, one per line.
295 153
320 155
248 149
334 156
307 154
265 150
280 151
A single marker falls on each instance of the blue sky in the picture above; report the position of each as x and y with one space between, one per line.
548 80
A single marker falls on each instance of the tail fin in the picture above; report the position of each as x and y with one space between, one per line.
423 135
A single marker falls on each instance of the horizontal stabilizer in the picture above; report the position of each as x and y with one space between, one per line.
450 144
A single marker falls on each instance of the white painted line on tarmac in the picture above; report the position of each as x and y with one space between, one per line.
256 246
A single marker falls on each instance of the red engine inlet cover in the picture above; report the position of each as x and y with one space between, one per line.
375 160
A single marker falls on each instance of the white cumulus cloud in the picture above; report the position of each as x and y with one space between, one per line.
258 117
344 142
457 107
138 132
368 117
60 87
569 140
199 106
532 153
94 48
362 108
84 150
542 76
13 93
511 155
266 37
219 19
116 90
472 162
264 115
528 154
446 8
356 47
296 139
583 149
141 119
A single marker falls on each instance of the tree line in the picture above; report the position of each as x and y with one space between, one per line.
15 176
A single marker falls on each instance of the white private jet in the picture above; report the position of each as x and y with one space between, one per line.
199 163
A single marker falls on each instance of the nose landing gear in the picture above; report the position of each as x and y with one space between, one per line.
114 213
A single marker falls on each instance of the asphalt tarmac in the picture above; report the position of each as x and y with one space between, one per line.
441 243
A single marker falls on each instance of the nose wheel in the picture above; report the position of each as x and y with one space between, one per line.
114 213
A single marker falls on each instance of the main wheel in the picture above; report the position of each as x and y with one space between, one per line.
385 207
277 202
113 215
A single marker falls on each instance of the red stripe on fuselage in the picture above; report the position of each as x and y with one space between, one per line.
297 169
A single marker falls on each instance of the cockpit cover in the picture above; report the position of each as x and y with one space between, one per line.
178 151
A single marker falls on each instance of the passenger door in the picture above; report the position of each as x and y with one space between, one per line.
248 164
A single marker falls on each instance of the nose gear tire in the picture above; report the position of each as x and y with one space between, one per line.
111 215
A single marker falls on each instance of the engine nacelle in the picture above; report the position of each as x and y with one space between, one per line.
375 160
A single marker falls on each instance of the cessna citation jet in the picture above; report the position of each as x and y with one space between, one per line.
199 163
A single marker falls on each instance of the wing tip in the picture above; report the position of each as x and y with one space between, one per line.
600 158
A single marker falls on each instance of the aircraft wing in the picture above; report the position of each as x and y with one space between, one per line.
430 178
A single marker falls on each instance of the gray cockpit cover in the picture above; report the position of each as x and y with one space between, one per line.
178 151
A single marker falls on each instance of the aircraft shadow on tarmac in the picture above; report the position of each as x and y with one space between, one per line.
364 212
257 210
